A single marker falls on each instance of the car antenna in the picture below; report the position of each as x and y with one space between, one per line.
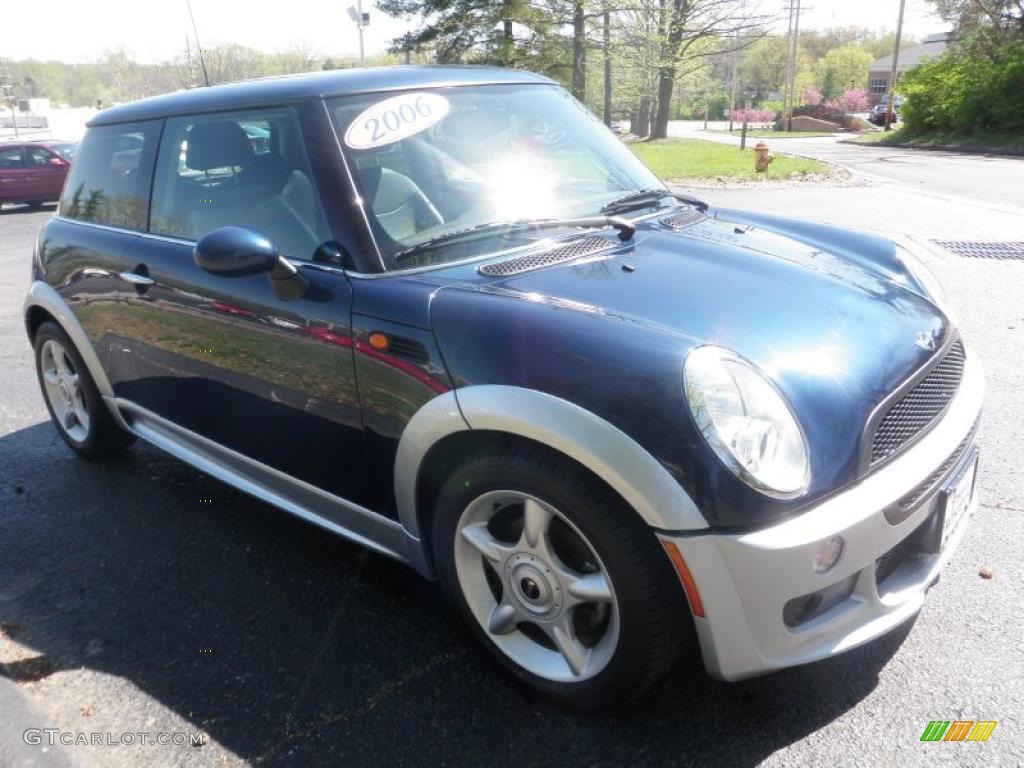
199 46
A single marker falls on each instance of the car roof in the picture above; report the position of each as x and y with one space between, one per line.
290 88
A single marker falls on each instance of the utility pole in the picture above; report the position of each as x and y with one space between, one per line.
789 63
795 49
191 64
607 41
732 82
892 75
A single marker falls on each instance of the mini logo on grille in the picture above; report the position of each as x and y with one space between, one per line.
925 340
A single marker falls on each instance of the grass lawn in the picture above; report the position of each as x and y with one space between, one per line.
762 134
897 136
677 159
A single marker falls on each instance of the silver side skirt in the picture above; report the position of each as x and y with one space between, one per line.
345 518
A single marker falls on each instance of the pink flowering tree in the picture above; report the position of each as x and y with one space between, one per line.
811 95
854 100
758 117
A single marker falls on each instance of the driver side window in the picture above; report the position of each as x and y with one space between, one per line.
243 169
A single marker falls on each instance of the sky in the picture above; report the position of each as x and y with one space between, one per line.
155 30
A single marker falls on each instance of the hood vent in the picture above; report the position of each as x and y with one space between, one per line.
683 219
584 246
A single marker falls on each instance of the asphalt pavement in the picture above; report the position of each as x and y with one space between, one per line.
141 597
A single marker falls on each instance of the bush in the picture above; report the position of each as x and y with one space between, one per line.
960 93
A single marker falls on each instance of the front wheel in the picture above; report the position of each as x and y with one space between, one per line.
561 580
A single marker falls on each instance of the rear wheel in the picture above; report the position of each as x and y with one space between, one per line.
71 396
560 579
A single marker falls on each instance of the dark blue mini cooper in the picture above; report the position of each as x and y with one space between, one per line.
447 314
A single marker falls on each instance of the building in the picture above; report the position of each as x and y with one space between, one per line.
879 71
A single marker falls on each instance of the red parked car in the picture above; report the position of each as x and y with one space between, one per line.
33 172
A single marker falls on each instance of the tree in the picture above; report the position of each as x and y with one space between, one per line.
687 31
984 25
841 69
476 31
763 66
854 100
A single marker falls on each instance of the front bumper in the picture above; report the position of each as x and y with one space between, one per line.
745 581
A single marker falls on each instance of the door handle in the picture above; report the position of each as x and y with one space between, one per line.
136 279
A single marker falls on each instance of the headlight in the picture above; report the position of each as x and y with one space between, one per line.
926 279
746 422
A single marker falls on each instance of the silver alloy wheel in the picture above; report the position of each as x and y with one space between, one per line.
529 601
63 387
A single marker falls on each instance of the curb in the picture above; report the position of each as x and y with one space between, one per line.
964 149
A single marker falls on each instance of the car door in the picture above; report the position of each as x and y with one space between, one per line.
15 176
227 358
48 170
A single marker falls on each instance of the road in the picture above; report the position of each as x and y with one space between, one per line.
998 181
143 596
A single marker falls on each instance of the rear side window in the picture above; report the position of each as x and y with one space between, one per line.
110 178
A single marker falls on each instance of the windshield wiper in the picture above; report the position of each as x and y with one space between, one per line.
644 197
626 231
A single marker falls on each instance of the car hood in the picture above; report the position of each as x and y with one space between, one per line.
830 315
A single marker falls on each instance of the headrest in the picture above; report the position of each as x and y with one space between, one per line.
217 145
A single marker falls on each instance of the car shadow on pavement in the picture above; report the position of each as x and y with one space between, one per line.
290 646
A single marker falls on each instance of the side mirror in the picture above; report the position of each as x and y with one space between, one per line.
58 162
236 252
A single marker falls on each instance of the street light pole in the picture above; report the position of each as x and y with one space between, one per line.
362 49
356 14
892 75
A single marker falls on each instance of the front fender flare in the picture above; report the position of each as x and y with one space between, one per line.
598 445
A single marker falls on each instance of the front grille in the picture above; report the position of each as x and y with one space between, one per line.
900 511
584 246
913 413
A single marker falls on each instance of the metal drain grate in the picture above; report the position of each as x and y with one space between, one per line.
980 250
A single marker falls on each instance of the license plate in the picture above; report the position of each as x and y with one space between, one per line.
958 496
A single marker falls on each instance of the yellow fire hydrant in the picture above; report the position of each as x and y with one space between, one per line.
762 157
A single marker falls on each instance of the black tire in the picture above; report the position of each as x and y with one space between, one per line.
104 438
654 621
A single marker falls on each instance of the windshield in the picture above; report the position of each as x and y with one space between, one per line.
433 162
